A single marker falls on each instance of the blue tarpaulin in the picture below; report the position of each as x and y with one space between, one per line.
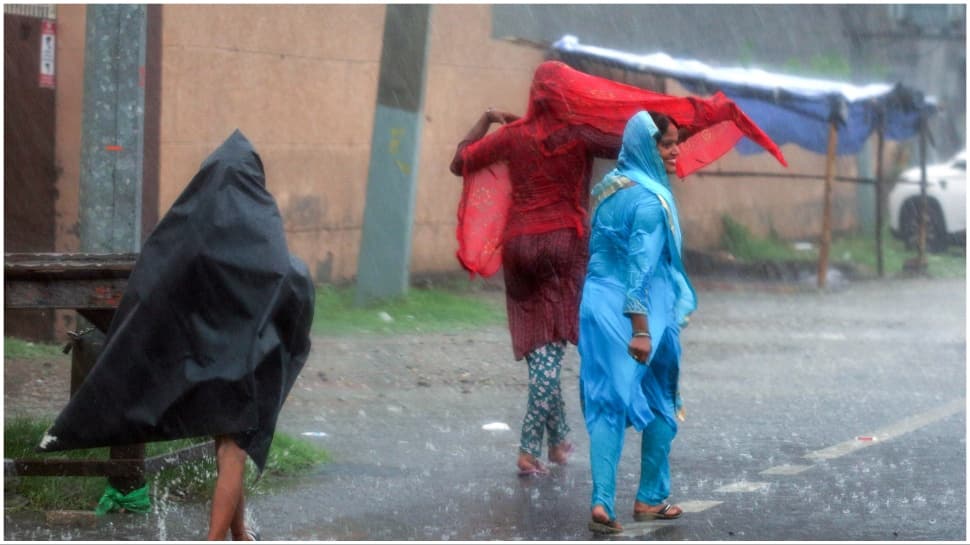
788 109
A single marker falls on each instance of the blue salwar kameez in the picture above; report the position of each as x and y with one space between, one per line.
634 268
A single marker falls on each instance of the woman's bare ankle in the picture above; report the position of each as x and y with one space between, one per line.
559 454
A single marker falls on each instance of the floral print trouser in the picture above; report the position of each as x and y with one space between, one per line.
546 410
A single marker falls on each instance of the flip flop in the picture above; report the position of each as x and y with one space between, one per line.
253 534
663 514
608 527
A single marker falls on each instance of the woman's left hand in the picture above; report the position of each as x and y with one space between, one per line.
499 116
639 349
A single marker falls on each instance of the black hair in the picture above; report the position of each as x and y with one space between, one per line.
662 122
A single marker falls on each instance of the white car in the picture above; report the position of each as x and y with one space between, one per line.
946 200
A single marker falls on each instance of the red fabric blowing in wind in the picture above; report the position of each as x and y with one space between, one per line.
571 117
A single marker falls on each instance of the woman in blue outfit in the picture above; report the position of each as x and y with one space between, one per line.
636 298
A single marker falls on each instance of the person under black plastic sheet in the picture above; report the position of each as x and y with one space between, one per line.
211 332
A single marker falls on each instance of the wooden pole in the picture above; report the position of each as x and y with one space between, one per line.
880 198
823 253
921 259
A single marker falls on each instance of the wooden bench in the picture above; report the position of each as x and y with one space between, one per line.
92 285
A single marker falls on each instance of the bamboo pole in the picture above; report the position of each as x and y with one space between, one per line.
823 253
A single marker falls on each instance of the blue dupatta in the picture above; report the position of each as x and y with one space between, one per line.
640 162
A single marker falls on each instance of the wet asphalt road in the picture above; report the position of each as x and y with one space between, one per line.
811 416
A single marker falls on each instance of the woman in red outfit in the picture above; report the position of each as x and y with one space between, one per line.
544 253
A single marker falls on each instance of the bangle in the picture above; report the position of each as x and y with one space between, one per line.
642 334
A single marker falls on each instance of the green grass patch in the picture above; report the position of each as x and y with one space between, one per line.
952 264
19 348
857 250
743 245
291 456
420 311
190 481
860 250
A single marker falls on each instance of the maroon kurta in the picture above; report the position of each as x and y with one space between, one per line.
544 246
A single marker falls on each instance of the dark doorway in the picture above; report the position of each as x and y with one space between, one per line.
28 167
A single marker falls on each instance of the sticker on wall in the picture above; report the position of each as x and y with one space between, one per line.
47 40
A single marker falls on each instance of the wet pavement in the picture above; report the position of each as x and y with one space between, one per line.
810 416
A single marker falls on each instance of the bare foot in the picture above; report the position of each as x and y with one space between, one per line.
529 465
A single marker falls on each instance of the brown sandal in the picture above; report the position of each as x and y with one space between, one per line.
663 514
609 527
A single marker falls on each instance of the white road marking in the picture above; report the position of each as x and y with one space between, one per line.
889 432
786 469
635 529
639 529
697 506
743 486
821 335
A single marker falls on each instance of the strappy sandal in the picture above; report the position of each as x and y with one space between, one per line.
663 514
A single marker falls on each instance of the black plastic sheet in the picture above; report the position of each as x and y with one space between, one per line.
213 327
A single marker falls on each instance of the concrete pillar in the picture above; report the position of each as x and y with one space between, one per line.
384 260
112 128
112 140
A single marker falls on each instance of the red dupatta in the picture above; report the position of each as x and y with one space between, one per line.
561 97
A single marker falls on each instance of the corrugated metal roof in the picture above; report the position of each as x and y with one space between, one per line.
699 73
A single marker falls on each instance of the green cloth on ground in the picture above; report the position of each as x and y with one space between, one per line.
136 501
